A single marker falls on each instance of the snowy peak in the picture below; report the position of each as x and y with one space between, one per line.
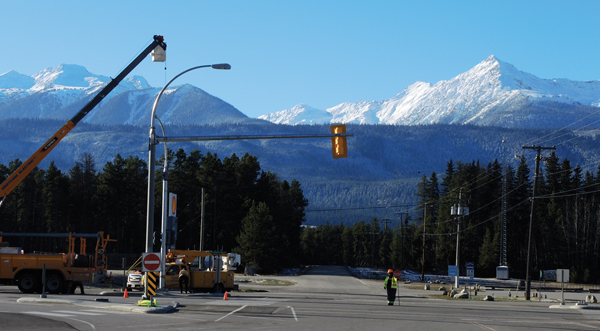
491 93
67 75
138 82
61 91
300 114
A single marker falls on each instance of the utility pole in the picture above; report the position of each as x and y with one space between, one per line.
458 212
424 227
202 214
503 241
402 236
385 223
535 179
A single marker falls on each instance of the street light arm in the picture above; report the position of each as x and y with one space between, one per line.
222 66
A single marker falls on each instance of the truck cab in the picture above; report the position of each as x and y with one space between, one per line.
172 275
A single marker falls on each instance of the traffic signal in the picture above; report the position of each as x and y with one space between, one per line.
339 145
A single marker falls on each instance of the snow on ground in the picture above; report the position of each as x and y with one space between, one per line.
409 275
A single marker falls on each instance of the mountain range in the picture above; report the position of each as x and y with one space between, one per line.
493 93
395 142
59 93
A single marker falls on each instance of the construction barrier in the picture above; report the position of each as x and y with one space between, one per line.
152 282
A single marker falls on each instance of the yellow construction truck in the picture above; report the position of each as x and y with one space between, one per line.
62 272
205 269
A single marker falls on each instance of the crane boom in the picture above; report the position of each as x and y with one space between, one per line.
17 177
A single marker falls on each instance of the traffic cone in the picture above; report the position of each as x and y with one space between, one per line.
225 297
125 294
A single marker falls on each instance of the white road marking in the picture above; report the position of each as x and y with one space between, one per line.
242 307
107 311
79 312
47 314
293 312
88 323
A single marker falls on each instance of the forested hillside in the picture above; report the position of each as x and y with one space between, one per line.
384 165
566 228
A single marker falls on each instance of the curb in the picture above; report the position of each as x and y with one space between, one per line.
105 305
576 306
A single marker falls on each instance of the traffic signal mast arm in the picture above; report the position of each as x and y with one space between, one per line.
338 139
17 177
248 137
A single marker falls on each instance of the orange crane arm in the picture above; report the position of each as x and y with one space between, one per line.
17 177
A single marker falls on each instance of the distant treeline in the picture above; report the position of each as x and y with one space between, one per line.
261 216
566 227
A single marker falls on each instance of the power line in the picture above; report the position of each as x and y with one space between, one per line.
358 208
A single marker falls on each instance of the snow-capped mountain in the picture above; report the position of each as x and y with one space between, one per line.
60 92
492 93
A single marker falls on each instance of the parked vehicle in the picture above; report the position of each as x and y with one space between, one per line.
63 271
134 281
205 269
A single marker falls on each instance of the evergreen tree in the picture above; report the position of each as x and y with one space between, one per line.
259 239
488 254
83 183
55 200
348 246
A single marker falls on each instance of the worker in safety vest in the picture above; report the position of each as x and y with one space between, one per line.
183 279
391 284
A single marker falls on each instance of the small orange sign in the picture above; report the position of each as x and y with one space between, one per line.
172 205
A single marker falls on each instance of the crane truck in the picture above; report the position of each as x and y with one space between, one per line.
217 278
63 271
213 279
156 48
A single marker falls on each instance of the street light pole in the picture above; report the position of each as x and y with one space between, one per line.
152 142
165 197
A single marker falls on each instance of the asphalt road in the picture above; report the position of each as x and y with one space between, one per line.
325 298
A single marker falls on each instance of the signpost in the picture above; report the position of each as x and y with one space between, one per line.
562 276
471 270
150 262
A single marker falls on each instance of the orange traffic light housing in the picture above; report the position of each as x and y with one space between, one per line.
339 146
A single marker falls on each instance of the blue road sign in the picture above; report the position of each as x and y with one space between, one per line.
452 271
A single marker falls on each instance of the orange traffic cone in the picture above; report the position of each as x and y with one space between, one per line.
225 297
125 294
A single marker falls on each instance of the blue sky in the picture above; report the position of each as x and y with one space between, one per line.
320 53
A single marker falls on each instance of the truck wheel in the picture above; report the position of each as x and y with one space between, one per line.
54 283
29 283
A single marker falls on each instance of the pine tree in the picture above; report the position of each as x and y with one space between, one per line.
259 239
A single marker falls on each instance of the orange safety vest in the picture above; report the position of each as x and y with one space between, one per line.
182 273
394 282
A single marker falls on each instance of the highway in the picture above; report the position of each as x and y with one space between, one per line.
325 298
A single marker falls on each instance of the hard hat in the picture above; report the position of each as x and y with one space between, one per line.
390 271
